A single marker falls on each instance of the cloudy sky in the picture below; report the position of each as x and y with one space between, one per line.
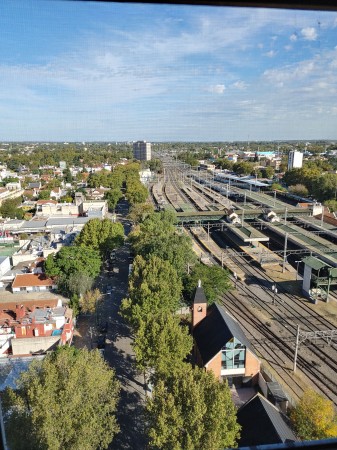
117 72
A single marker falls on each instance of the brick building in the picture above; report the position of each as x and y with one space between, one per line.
220 344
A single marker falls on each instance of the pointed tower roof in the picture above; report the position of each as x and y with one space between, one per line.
199 296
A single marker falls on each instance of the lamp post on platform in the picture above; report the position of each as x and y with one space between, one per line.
274 289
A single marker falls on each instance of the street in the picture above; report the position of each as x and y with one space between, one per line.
118 351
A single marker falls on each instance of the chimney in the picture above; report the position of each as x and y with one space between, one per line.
199 310
20 311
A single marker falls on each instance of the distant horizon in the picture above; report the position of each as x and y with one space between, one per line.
85 71
171 142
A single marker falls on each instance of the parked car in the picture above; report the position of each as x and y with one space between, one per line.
101 342
103 328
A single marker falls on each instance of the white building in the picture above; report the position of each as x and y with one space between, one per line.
295 160
142 150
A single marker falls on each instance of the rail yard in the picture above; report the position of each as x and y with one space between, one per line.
262 241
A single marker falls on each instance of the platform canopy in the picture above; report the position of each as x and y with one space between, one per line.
314 263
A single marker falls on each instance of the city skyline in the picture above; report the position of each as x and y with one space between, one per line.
80 71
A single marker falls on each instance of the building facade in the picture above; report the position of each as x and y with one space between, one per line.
295 160
220 345
142 150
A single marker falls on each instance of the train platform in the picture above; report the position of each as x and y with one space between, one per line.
262 255
216 252
199 201
247 233
305 239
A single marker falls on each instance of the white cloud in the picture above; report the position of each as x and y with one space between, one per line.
309 33
293 37
270 54
241 85
287 48
217 89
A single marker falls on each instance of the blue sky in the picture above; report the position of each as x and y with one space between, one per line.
73 71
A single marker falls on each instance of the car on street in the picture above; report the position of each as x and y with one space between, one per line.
103 327
109 289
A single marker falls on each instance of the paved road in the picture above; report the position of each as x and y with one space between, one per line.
119 354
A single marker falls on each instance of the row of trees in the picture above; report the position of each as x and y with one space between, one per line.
189 408
73 154
77 266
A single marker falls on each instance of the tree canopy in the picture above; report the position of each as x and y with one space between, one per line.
157 235
9 208
73 259
161 343
191 410
314 417
215 282
66 401
102 235
154 287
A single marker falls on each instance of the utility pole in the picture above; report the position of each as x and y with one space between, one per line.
296 347
285 252
285 215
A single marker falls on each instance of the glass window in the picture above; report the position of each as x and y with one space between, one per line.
233 359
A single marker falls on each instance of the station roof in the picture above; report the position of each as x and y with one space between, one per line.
314 263
249 234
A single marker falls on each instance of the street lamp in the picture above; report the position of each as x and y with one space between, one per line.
274 289
297 264
236 278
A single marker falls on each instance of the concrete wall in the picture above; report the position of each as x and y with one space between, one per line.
26 346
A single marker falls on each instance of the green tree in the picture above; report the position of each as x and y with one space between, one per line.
89 301
78 283
161 343
191 410
331 204
113 196
277 187
9 208
66 401
44 195
299 189
215 282
157 235
67 176
101 234
314 417
154 287
73 259
243 168
136 192
268 172
325 187
139 212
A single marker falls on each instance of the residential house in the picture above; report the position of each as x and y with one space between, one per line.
13 185
32 282
220 344
262 423
34 327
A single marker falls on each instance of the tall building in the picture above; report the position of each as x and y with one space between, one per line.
142 150
295 160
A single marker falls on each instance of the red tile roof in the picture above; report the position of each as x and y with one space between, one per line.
32 279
